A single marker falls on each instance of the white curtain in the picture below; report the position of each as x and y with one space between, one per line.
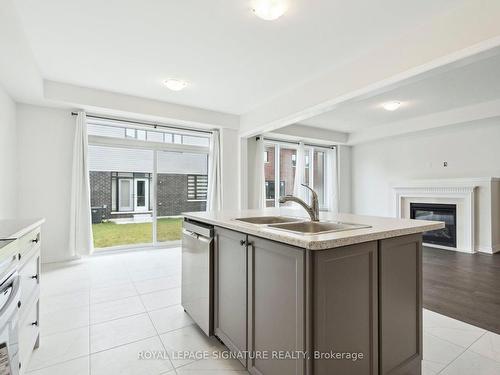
80 236
300 174
259 182
332 195
214 174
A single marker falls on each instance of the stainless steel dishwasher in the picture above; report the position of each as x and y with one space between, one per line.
197 273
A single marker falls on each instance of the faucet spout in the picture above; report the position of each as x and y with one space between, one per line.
312 210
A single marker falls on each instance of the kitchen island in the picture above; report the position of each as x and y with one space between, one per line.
344 301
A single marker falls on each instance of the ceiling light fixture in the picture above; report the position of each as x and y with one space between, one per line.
392 106
269 10
175 84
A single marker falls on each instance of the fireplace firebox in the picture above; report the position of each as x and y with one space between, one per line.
437 212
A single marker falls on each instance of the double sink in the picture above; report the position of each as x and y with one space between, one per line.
301 226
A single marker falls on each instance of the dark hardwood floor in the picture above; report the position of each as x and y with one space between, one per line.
463 286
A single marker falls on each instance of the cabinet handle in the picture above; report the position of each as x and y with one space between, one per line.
243 243
35 323
35 277
35 240
19 256
18 304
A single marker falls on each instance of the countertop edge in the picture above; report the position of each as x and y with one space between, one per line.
311 244
24 229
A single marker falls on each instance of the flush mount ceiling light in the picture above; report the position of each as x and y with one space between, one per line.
175 84
391 106
269 10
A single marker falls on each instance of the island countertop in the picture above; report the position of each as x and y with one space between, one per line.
380 227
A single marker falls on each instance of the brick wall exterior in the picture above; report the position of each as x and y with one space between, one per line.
172 195
100 191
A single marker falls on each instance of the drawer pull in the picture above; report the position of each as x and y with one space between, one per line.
35 277
19 256
35 323
18 304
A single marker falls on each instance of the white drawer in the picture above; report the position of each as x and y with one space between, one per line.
28 242
28 335
29 277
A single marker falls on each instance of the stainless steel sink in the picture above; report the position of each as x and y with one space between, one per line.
317 227
269 219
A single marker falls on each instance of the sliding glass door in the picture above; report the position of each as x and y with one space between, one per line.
142 181
181 186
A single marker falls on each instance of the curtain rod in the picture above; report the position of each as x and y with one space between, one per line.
154 125
293 142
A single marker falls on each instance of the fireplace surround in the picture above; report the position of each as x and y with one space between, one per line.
477 203
437 212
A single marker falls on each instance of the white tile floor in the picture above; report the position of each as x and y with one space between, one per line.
98 314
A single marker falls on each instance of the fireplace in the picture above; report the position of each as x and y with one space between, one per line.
437 212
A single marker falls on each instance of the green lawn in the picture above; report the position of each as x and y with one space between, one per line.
111 234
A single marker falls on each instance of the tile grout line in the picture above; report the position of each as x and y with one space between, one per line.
89 326
89 370
462 353
57 364
156 330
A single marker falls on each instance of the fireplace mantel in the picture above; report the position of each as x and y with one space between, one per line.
452 191
478 207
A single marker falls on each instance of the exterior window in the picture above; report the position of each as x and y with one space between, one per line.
269 189
141 134
283 169
197 187
129 133
266 156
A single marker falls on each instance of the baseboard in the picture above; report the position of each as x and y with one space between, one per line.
489 249
448 248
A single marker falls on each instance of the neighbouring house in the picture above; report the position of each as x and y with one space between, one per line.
121 182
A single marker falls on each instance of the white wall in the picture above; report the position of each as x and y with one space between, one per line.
8 157
471 150
230 150
344 176
45 142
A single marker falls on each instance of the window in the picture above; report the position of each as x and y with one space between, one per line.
266 156
139 182
283 170
99 128
269 172
197 187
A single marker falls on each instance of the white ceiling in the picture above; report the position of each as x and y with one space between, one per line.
233 60
457 86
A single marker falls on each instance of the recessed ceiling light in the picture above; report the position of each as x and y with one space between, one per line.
269 10
175 84
392 106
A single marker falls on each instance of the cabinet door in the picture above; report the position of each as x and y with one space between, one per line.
276 306
230 269
345 308
401 305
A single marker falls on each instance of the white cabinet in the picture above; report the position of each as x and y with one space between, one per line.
29 312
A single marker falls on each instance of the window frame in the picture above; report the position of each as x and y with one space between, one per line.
196 198
278 145
155 147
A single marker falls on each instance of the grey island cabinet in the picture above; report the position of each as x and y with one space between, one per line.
291 307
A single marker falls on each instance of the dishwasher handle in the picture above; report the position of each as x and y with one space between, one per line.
196 236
